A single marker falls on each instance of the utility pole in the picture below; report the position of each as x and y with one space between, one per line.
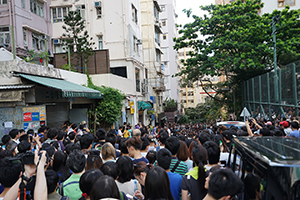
274 21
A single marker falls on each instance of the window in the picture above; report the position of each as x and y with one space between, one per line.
81 9
158 56
166 64
164 22
98 9
4 36
23 3
134 14
119 71
100 42
59 13
282 3
38 41
37 7
137 80
25 37
162 8
156 13
164 36
3 2
157 40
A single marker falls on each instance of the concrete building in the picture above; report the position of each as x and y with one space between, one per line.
169 57
151 30
31 22
117 27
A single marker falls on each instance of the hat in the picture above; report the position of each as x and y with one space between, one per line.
269 123
83 122
284 123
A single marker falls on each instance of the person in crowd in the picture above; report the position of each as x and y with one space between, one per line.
213 152
136 133
183 154
51 135
15 135
157 185
86 182
122 147
151 156
210 172
140 171
152 142
134 146
60 166
24 146
223 184
252 187
164 158
163 136
86 143
111 137
93 160
5 140
105 188
71 136
108 153
60 138
145 146
110 169
100 135
286 127
11 146
295 129
193 182
176 166
52 183
124 180
120 131
126 133
76 163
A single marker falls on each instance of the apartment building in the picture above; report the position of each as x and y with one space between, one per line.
30 20
169 57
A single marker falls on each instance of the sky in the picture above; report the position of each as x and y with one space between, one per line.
187 4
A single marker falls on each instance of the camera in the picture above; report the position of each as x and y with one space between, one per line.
26 158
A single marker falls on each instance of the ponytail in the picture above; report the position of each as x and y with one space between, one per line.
201 176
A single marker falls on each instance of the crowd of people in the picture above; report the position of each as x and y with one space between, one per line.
141 162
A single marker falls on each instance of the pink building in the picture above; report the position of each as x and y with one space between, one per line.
31 22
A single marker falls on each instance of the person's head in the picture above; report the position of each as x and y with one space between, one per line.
140 171
227 134
172 144
164 158
76 161
87 180
23 137
93 160
284 124
52 133
213 152
157 185
199 156
252 187
100 134
224 183
204 136
133 144
151 156
14 134
59 160
111 137
5 153
108 151
61 135
136 133
74 126
86 141
122 146
9 172
264 131
72 135
55 144
104 187
11 146
163 136
214 168
183 151
52 180
125 167
6 139
24 146
111 169
294 125
145 144
30 132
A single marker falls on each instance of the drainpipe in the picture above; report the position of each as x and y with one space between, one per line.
12 29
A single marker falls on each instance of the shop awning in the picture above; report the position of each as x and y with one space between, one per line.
144 105
68 89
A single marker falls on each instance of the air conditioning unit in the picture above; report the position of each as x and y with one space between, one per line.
98 4
56 41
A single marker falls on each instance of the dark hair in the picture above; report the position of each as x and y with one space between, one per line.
23 137
66 141
100 133
264 131
74 126
111 169
294 125
5 153
122 146
135 142
157 185
145 143
60 135
52 180
104 187
50 151
227 134
151 156
223 182
76 161
183 152
9 172
278 132
199 155
213 152
172 144
68 148
42 129
24 146
164 158
204 136
59 165
71 135
13 133
125 168
111 137
86 141
163 136
5 139
141 167
93 160
52 133
30 132
87 180
252 185
55 144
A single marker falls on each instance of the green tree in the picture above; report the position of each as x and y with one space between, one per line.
109 108
170 105
237 43
77 39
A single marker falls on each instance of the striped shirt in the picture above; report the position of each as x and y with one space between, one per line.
181 169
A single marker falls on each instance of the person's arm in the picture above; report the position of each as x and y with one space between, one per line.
184 195
38 142
256 124
138 194
248 128
40 190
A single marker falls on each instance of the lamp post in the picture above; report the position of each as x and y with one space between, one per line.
274 21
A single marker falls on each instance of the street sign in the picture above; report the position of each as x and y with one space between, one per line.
245 113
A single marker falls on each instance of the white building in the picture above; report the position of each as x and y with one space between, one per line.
169 57
117 27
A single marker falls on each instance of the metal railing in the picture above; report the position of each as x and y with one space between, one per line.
260 97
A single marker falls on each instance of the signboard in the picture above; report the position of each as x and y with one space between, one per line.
34 117
131 107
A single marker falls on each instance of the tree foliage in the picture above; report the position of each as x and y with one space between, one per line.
236 42
77 38
170 105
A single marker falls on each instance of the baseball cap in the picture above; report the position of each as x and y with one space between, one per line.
284 123
83 122
269 123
